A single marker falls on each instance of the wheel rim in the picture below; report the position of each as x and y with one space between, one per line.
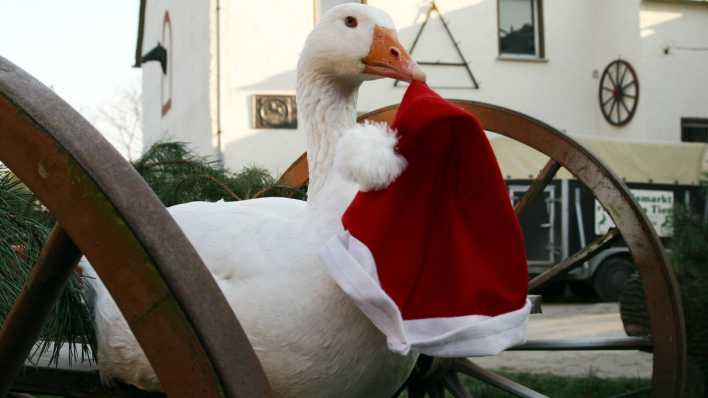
619 93
172 304
663 300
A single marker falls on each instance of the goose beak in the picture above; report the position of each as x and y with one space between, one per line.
388 58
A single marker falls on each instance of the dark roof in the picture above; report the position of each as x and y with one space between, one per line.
141 30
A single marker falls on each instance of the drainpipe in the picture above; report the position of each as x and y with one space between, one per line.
219 151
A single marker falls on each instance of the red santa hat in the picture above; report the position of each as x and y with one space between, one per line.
436 260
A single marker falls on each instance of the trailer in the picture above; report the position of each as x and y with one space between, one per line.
659 175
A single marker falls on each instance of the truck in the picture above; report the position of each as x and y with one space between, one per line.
567 217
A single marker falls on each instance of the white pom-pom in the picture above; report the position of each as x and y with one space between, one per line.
366 155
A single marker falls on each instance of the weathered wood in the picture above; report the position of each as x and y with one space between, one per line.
471 369
587 344
170 300
452 383
26 318
539 184
297 175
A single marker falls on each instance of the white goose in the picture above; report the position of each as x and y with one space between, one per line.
310 338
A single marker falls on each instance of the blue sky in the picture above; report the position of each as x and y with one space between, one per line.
83 49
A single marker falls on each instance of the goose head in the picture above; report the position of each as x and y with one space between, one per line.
351 44
354 43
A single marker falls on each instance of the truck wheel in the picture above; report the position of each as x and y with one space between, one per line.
582 290
610 278
553 291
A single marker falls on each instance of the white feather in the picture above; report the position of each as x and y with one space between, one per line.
311 339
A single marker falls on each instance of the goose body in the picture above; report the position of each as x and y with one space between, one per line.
263 253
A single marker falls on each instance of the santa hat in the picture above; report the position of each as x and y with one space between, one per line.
436 260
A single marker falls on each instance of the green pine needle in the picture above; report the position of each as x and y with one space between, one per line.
25 226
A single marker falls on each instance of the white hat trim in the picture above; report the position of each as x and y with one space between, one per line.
350 263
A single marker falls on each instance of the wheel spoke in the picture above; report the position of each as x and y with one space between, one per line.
632 83
24 322
612 79
617 72
587 344
605 102
625 107
612 108
453 384
471 369
624 74
576 259
619 118
539 184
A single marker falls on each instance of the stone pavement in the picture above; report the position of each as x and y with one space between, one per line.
575 320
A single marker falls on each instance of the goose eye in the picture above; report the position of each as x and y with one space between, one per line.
351 22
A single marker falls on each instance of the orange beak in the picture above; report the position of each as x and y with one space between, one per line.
388 58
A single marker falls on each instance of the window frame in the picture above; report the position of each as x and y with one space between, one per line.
539 35
701 122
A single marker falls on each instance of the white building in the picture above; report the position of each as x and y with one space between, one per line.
544 58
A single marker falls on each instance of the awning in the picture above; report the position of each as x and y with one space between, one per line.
648 162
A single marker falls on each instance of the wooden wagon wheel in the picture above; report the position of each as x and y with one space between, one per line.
106 211
433 376
619 92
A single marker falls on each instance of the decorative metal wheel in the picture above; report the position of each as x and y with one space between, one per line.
172 304
619 92
432 377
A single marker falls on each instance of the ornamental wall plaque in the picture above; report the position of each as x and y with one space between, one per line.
619 93
274 112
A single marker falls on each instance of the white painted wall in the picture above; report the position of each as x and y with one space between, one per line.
261 41
674 85
580 36
190 118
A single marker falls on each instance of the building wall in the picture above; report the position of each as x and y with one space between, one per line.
260 43
675 84
191 65
581 38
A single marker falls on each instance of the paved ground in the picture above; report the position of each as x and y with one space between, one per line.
575 320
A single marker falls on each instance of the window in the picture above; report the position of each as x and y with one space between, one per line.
694 130
521 28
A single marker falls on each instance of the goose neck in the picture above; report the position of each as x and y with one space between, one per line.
326 107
